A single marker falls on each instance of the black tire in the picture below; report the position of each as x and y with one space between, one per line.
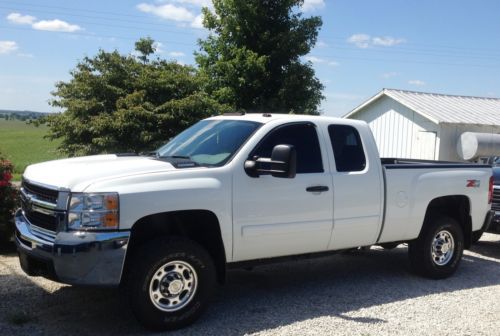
149 261
476 235
434 263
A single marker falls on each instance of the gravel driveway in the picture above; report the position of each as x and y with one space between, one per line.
367 292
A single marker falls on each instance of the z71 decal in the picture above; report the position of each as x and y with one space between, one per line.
473 183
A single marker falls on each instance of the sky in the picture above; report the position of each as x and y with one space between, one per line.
445 46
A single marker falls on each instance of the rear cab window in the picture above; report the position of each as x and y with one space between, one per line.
347 148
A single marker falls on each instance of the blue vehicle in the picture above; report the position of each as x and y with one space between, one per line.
494 226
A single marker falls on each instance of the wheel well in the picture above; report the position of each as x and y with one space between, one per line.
201 226
456 207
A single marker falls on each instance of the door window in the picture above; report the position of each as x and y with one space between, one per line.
303 137
347 148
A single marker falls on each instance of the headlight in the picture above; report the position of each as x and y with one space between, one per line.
93 211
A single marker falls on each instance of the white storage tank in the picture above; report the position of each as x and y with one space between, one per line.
471 145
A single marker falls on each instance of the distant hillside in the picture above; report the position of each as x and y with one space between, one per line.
21 115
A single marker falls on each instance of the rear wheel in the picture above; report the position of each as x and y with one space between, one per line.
170 283
439 248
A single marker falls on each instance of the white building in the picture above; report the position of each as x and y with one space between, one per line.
419 125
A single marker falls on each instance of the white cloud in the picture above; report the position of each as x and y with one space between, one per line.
416 82
314 59
311 5
365 41
135 53
18 18
319 60
321 44
360 40
176 54
7 47
168 11
387 41
388 75
198 3
158 47
56 25
25 55
197 22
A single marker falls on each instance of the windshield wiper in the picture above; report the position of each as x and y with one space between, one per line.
150 153
179 161
175 157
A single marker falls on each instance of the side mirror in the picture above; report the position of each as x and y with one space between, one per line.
283 163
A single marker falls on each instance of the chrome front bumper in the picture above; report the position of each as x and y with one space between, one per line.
75 257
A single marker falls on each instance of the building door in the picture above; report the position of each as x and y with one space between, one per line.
424 147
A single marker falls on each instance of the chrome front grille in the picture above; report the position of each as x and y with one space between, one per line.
495 203
43 221
41 193
42 208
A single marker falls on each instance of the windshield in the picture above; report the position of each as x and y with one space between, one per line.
209 142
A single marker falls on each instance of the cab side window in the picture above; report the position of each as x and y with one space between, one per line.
303 137
347 148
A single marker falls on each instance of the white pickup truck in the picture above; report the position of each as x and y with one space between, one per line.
233 191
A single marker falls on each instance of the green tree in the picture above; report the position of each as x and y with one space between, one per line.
145 46
251 59
121 103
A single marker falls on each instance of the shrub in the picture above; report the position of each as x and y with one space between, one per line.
8 200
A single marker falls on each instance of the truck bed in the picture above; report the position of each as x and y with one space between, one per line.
411 184
396 163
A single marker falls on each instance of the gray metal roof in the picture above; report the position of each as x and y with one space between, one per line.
442 108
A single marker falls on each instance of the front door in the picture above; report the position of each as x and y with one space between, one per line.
282 216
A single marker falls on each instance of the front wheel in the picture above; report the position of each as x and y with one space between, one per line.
170 283
439 248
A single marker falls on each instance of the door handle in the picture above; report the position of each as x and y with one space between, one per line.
317 189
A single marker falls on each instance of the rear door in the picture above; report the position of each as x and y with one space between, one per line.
282 216
357 189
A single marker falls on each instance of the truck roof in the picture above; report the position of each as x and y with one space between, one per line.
267 117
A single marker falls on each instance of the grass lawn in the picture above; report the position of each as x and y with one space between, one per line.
24 144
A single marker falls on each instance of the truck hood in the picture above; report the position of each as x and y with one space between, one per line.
78 173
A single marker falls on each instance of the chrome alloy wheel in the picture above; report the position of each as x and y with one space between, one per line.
173 286
443 247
